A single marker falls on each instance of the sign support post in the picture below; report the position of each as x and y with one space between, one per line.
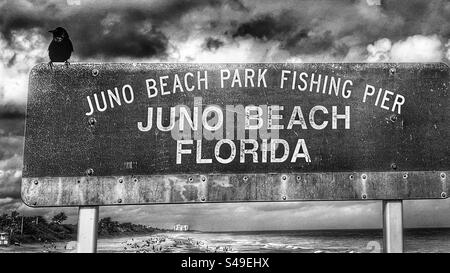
393 226
87 229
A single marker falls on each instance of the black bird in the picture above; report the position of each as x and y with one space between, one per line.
60 48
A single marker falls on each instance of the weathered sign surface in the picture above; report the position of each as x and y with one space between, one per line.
102 134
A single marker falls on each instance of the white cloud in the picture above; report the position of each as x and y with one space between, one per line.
17 57
417 48
379 51
237 51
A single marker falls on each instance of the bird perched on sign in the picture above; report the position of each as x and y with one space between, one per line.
61 47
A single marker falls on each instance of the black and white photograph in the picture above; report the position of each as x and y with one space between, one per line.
224 127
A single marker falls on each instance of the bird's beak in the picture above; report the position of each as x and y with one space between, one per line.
51 31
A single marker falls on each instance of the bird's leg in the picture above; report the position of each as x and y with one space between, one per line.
67 63
50 64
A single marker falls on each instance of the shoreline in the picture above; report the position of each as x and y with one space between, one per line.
226 242
134 242
129 234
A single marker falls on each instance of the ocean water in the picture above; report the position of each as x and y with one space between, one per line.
336 241
317 241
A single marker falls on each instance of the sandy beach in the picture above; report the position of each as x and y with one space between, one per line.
155 243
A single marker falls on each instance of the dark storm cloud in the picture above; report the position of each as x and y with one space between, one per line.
128 43
20 15
10 186
283 27
137 28
267 26
237 5
315 27
10 127
108 29
11 152
10 166
12 61
12 111
213 44
419 16
12 123
90 30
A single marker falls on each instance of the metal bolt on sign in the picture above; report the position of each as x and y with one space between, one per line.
92 121
90 172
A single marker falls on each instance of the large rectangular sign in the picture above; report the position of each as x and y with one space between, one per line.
100 134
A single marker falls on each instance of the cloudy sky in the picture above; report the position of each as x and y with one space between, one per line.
218 31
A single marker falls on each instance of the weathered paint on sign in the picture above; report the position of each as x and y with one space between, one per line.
100 134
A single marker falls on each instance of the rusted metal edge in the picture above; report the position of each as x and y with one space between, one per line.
198 188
